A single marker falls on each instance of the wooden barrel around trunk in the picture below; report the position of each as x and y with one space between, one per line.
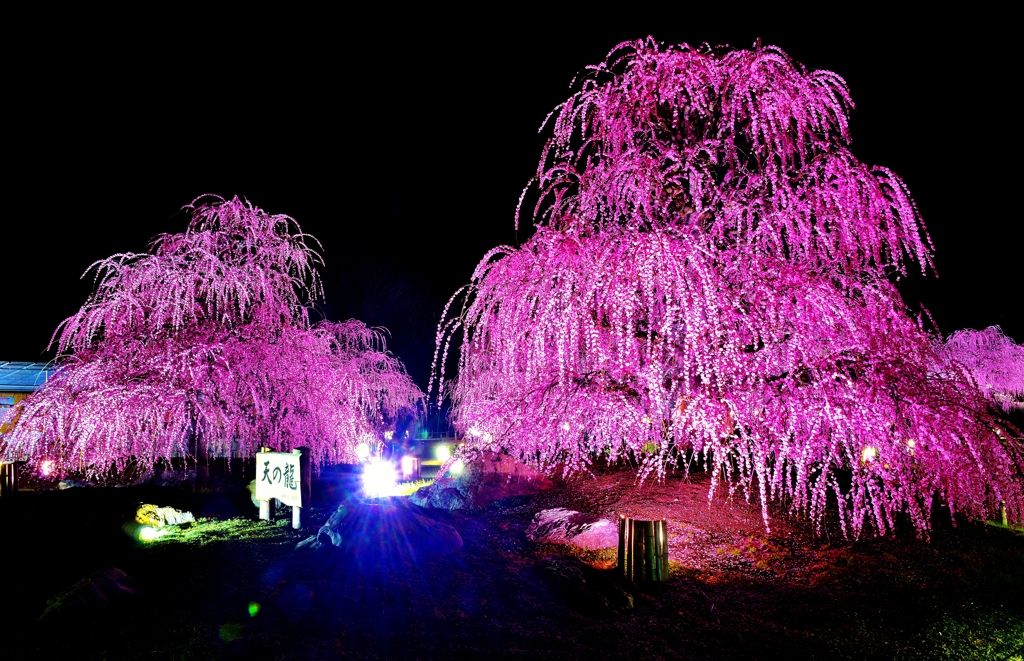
643 550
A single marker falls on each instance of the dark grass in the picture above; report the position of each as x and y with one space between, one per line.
959 596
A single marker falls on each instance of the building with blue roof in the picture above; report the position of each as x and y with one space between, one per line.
18 379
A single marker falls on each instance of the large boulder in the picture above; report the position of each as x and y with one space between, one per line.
488 478
565 526
383 531
92 595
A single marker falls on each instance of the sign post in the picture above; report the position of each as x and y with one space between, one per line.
9 478
284 476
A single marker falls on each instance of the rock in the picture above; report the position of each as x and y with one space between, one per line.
440 498
564 526
92 595
72 484
158 517
330 532
483 481
382 532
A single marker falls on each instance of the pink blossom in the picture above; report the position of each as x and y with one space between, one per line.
709 282
995 362
205 341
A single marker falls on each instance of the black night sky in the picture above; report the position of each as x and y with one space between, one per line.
404 148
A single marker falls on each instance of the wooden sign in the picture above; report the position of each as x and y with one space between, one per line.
284 476
278 475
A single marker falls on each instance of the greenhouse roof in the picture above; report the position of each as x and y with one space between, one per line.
23 377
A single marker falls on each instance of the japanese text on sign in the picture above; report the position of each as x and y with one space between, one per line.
278 476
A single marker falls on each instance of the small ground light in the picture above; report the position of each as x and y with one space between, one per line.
140 532
456 467
254 608
442 453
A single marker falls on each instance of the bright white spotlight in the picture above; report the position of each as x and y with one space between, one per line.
363 451
379 479
442 453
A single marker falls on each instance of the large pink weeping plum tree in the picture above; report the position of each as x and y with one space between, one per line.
710 280
204 342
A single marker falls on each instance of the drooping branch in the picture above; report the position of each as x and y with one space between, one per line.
206 340
994 360
710 277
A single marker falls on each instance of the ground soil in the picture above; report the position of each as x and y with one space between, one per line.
736 591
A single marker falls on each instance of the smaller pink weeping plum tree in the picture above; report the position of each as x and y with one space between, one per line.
995 362
710 280
203 343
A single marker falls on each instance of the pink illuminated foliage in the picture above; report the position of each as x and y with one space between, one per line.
995 362
710 281
206 341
